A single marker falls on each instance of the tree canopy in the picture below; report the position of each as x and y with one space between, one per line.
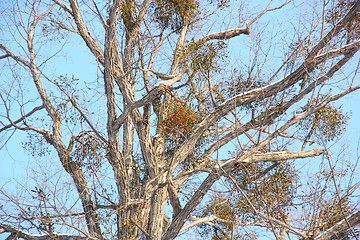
164 119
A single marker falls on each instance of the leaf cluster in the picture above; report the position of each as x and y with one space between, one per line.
328 123
333 212
55 28
206 56
172 14
336 13
179 121
69 91
36 145
240 83
269 187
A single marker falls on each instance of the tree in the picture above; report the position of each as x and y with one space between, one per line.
178 132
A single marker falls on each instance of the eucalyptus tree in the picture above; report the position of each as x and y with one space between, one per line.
194 122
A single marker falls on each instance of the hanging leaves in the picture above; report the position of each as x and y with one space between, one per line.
89 150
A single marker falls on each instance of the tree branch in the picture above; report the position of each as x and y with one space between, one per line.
148 98
226 34
280 156
17 233
218 171
335 30
195 221
258 95
84 32
347 223
35 109
13 56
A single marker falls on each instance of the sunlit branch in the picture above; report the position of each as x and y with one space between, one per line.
148 98
35 109
353 219
63 6
15 57
16 233
225 168
211 219
226 34
287 136
280 156
334 31
83 31
297 117
347 49
253 95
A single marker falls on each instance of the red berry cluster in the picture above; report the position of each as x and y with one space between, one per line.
178 121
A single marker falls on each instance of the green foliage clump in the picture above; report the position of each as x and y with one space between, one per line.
333 211
55 29
240 83
69 95
206 56
269 187
173 13
127 14
202 61
327 124
336 13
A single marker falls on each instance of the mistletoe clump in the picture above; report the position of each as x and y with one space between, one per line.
178 122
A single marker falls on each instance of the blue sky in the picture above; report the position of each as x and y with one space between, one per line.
15 161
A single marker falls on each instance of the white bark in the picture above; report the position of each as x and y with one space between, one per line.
348 223
141 205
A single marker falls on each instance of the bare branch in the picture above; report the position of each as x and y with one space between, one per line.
210 219
217 172
17 233
148 98
256 95
174 199
336 29
4 56
353 220
13 56
281 156
139 227
35 109
84 32
63 6
226 34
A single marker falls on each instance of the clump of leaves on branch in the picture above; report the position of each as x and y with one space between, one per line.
326 124
267 187
236 109
334 14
